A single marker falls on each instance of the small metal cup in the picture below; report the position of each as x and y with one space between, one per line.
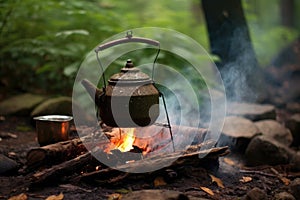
52 128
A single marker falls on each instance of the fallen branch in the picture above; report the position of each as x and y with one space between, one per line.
56 172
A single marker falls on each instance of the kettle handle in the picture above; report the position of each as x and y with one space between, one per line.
128 38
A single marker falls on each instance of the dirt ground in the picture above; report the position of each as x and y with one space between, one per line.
231 181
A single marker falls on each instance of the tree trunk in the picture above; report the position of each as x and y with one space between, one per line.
230 40
287 13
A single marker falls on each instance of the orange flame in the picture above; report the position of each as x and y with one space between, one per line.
128 139
124 141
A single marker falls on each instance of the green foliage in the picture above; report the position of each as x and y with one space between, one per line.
274 39
43 42
267 34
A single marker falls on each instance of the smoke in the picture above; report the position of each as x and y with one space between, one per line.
240 70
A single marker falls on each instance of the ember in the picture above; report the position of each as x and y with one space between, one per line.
124 142
141 140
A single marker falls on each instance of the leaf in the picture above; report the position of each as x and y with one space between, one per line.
245 179
44 68
21 196
123 191
207 190
229 161
217 180
23 128
12 135
285 180
11 153
114 196
71 69
159 181
56 197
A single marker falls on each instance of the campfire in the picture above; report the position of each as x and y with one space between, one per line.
123 142
137 140
138 150
135 134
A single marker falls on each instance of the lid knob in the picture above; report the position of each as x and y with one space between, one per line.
129 64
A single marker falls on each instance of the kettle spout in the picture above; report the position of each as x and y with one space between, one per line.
95 93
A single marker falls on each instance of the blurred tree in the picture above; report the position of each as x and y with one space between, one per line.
287 13
230 40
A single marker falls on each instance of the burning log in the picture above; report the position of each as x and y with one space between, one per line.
179 158
196 158
109 175
151 149
154 138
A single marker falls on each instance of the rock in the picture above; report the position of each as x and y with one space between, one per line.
7 164
293 124
239 127
295 188
264 150
20 104
157 195
54 106
273 129
256 194
284 196
295 161
292 86
237 133
293 107
251 111
62 106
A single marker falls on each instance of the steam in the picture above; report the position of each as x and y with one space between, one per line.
181 101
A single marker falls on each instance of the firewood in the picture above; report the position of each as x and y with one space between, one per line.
54 153
61 171
173 159
66 153
57 172
62 151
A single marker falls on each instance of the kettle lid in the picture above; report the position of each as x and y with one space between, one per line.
130 75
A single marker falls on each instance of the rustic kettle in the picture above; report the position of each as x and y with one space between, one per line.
130 98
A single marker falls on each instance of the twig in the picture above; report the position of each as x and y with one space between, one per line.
118 178
294 175
257 172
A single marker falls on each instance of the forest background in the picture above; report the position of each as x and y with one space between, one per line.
43 42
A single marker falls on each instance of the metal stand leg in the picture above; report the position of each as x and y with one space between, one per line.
169 124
